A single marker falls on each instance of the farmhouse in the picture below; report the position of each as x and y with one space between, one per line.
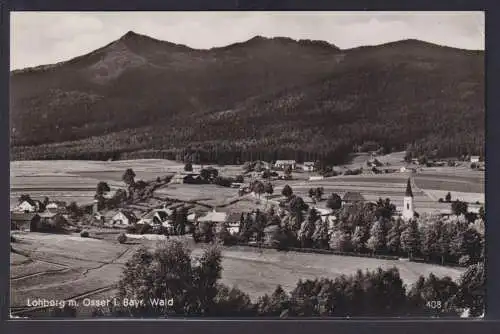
214 217
281 164
352 197
308 166
474 159
233 221
27 206
24 221
181 178
52 207
124 217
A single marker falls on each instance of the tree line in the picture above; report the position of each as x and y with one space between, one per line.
170 273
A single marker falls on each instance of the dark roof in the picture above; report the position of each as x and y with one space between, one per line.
162 214
21 216
129 214
234 217
408 192
351 196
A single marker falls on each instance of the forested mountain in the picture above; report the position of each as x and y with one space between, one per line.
264 98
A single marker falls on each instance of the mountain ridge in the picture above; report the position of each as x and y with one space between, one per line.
270 94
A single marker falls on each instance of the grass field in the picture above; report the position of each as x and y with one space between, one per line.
206 194
66 266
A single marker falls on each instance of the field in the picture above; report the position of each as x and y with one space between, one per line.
77 180
427 187
208 194
63 267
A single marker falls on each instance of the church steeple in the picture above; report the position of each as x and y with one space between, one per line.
408 192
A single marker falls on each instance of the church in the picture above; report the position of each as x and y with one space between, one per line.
408 211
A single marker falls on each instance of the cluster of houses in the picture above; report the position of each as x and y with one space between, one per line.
28 213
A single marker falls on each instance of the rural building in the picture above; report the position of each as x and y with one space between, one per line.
403 170
474 159
24 221
214 217
281 164
408 209
52 207
27 206
316 178
124 217
308 166
233 222
180 178
352 197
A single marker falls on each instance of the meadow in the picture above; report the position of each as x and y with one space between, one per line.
78 266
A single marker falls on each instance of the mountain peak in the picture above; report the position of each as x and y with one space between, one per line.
130 34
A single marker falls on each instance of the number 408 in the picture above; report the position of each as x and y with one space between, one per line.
433 304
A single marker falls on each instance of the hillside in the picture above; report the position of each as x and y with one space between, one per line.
267 98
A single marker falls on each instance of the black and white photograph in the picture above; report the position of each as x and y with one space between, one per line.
228 165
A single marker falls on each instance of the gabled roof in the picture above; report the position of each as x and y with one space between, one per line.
352 196
285 161
408 192
28 201
216 217
129 214
234 217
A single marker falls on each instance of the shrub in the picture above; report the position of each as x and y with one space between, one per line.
145 228
440 200
12 239
122 238
131 229
84 234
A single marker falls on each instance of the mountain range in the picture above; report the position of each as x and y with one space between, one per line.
269 98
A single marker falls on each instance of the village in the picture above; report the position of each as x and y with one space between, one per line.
171 213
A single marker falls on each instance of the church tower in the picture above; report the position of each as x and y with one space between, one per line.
408 210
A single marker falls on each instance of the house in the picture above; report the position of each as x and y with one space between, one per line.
316 178
124 217
308 166
233 222
403 170
474 159
24 221
214 217
27 206
183 177
281 164
352 197
52 207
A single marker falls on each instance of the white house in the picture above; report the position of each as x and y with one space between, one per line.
281 164
52 207
474 159
124 217
26 206
316 178
403 169
308 166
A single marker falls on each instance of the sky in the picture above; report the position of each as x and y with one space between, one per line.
39 38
